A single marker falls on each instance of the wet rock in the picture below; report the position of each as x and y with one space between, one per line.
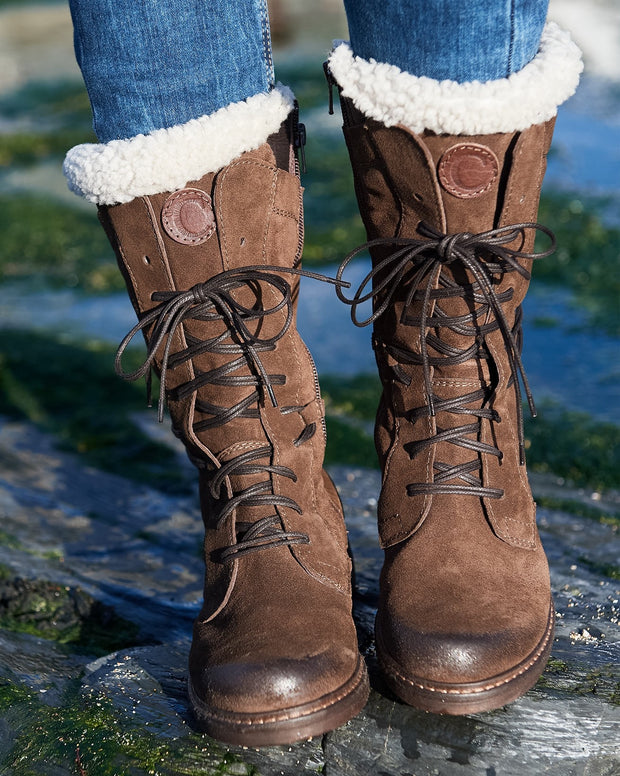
533 736
32 663
64 614
129 546
107 542
127 680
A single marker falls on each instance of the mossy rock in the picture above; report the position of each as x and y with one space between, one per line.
67 615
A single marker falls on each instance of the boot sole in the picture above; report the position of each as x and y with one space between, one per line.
469 697
284 726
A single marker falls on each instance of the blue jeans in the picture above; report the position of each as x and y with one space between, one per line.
150 64
456 40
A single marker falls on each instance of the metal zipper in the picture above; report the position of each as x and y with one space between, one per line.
317 390
347 118
298 134
299 140
330 86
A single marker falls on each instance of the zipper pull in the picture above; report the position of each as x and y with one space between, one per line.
299 139
330 85
300 143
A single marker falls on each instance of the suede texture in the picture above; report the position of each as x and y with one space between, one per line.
276 631
465 593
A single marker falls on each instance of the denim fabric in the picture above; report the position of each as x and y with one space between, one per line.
150 64
459 40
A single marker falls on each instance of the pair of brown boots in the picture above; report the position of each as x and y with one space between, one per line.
465 618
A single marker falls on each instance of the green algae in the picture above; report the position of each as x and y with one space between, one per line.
555 665
28 147
601 569
66 615
48 243
87 736
602 682
5 571
350 405
50 105
587 260
574 446
579 509
71 390
554 676
565 679
544 322
10 541
13 693
356 396
44 120
333 225
347 444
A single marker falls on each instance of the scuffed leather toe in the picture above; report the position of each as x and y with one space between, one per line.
275 685
280 662
479 621
454 658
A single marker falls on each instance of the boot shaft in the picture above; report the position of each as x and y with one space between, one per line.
211 272
449 275
455 184
235 221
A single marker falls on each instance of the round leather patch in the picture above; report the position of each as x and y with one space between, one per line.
188 216
468 170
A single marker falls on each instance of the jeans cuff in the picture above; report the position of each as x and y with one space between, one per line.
530 96
166 159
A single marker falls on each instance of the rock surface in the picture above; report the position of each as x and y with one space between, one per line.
65 711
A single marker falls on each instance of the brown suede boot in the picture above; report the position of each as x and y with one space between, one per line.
465 619
211 272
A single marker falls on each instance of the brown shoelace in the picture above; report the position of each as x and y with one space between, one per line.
420 264
214 300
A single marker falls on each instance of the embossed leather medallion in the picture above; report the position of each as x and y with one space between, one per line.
188 216
468 169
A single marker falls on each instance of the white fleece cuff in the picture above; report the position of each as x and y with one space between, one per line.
531 96
166 159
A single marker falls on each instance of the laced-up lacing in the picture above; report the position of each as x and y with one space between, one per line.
420 264
214 300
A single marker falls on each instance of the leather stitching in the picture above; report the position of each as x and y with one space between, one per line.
343 692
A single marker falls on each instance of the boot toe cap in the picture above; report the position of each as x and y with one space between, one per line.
274 685
459 656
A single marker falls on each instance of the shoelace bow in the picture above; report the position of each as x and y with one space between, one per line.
214 300
420 263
